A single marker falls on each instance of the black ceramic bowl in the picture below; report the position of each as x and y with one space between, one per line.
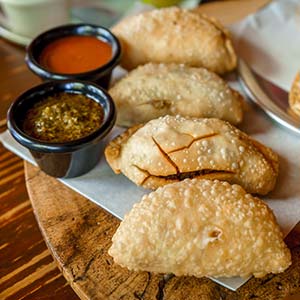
68 159
100 75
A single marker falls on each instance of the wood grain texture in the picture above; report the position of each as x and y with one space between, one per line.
15 78
79 234
27 270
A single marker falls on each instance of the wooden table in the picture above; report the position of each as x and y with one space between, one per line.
27 269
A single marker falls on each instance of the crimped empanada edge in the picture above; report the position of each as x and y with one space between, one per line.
113 150
226 35
294 95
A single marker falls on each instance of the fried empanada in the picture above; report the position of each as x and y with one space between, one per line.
175 35
155 90
171 149
202 228
294 95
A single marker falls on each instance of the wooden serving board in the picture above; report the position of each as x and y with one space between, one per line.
78 233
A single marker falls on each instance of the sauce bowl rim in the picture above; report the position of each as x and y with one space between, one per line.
40 70
63 147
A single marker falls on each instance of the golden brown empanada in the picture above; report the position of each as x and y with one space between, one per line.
175 35
171 149
155 90
202 228
294 95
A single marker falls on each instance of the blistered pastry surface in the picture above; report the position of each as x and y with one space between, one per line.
155 90
201 228
175 35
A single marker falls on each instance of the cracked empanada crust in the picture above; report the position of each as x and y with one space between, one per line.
294 95
201 228
171 149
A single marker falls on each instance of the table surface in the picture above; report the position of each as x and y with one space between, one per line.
27 270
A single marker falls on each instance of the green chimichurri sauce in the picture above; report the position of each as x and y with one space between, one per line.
62 118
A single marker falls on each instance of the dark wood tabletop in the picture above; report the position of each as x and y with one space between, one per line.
27 270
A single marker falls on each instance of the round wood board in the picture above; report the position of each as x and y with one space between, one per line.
78 233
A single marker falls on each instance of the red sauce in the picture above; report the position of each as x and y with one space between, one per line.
75 54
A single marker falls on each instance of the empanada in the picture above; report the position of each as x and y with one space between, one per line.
294 95
202 228
175 35
155 90
171 149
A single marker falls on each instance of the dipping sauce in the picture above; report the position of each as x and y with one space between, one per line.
75 54
63 117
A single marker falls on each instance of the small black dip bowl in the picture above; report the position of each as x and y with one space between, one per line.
99 75
68 159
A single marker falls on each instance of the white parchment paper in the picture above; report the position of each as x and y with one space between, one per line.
267 52
269 41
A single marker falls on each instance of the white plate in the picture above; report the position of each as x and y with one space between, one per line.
13 37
